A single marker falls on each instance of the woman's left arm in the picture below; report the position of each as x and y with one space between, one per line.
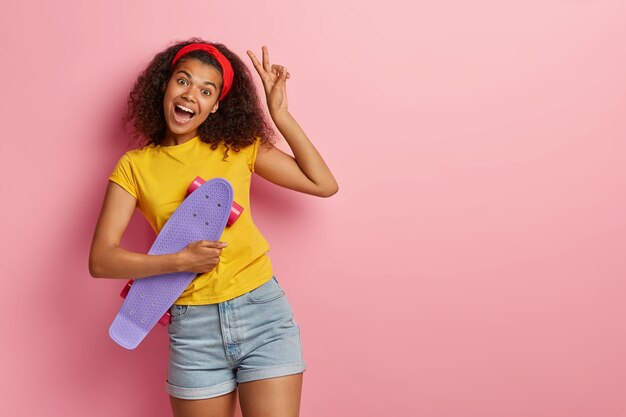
306 171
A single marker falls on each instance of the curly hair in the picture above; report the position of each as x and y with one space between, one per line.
237 123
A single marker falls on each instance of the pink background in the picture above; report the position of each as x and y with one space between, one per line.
472 263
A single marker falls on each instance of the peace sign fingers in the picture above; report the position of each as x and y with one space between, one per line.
274 78
268 73
263 70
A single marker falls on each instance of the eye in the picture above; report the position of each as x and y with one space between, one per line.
207 92
182 81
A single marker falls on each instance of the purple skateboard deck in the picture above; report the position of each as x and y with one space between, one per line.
201 216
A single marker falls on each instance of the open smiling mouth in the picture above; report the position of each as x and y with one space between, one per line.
183 114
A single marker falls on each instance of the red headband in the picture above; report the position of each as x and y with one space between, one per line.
227 69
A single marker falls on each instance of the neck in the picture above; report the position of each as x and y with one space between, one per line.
173 139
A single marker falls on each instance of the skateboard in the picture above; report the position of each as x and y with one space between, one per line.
203 215
235 212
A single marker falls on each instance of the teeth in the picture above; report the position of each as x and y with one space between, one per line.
188 110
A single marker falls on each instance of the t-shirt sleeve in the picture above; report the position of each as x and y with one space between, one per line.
253 153
123 175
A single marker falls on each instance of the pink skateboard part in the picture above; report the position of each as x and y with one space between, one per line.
198 181
126 288
235 211
202 216
165 320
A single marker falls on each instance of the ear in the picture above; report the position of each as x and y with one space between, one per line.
215 107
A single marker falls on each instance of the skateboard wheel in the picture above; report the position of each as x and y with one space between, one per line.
165 320
197 182
126 289
235 210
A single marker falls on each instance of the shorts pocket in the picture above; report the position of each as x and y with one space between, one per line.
266 292
178 311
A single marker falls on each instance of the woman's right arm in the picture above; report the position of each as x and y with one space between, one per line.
108 259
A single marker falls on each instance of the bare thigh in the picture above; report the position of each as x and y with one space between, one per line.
276 397
222 406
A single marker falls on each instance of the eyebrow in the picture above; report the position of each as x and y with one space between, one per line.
189 75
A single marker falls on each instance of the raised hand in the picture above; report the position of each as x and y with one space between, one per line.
274 79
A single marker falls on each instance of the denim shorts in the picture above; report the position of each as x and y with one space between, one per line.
214 347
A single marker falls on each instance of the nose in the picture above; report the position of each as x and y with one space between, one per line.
188 96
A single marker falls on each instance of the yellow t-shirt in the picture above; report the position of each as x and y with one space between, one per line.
158 177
